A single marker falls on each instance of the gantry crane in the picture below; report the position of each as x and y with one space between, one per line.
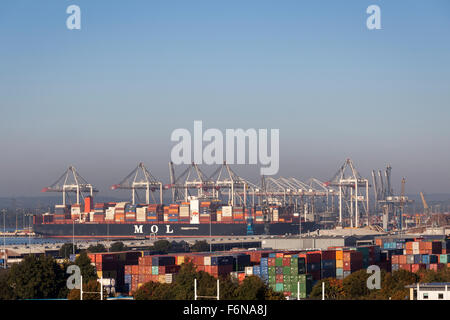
141 179
71 181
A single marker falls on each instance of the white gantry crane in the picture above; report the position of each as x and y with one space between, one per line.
71 181
141 179
353 193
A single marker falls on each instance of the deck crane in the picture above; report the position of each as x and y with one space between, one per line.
71 181
141 179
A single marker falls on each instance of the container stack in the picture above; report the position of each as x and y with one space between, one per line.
112 265
216 265
339 264
370 255
119 212
205 212
259 216
313 263
150 268
227 214
171 213
238 214
141 213
284 273
152 212
328 264
61 212
184 212
75 211
99 212
353 261
275 214
109 214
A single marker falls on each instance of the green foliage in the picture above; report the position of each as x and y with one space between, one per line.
117 247
88 271
90 286
355 285
154 291
334 289
393 285
96 248
66 250
37 278
253 288
6 292
200 246
162 246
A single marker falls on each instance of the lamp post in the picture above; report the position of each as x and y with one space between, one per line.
4 239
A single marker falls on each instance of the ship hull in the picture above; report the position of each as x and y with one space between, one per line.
140 230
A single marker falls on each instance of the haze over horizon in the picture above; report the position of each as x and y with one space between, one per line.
108 96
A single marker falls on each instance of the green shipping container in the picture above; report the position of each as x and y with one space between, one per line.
286 270
279 287
272 279
272 271
444 258
155 270
278 262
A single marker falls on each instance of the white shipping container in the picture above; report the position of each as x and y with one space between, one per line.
207 261
169 277
184 211
249 271
227 211
219 217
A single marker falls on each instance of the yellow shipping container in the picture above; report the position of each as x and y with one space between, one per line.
162 278
180 260
339 255
340 264
100 274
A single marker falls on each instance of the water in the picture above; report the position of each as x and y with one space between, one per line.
25 240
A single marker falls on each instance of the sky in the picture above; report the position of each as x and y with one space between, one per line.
108 96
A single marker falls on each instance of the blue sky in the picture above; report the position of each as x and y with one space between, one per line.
109 95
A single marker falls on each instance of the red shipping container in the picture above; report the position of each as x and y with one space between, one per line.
418 266
271 262
286 262
405 267
329 255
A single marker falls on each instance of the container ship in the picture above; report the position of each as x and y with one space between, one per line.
195 218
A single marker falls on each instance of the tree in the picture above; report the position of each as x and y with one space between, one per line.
89 286
88 271
393 284
162 246
253 288
334 289
96 248
200 246
6 292
228 288
37 278
117 247
154 291
355 285
67 249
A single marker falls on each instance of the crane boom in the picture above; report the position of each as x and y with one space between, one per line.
425 204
